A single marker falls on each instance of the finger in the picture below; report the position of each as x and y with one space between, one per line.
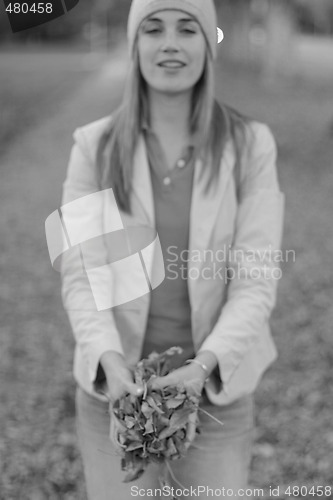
194 386
191 430
134 389
114 433
161 382
102 388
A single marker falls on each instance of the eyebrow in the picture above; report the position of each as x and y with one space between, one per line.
183 20
188 20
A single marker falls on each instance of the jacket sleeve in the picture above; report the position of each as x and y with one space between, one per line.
253 268
95 331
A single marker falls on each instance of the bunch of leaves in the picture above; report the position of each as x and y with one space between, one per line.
158 425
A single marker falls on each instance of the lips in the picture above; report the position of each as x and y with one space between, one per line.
171 64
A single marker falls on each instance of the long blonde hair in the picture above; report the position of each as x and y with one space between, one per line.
212 125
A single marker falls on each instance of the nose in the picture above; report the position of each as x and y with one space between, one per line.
170 42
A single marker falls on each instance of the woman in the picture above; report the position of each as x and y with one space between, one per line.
204 177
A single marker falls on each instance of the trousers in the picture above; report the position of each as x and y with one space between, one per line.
216 465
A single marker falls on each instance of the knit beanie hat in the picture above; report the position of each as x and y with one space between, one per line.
202 10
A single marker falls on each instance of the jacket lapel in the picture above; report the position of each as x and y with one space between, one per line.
205 207
204 212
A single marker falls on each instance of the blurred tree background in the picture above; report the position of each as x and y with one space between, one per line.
91 16
257 32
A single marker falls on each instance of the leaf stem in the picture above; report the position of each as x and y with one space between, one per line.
210 415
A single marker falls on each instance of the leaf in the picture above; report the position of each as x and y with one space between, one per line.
181 434
149 427
139 375
157 397
135 445
119 414
119 424
151 402
156 446
189 405
177 421
180 445
129 422
162 420
146 409
122 439
172 351
153 356
165 368
180 418
170 391
173 403
134 474
133 435
171 449
165 433
155 359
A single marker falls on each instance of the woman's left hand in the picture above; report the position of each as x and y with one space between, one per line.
192 376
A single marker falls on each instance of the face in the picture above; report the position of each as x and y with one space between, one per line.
172 51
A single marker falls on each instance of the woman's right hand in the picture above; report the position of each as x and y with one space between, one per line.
119 378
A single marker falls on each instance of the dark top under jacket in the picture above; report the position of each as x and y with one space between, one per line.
169 320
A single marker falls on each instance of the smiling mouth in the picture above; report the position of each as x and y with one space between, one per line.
171 64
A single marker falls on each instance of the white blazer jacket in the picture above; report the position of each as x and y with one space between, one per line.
229 317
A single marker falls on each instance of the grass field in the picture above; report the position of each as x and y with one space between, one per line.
294 436
32 85
294 443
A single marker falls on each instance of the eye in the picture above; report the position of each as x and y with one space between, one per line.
151 28
188 28
152 31
188 31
